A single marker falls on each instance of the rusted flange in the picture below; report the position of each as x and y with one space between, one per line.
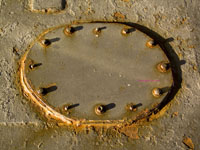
115 60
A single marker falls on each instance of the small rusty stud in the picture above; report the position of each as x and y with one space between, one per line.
41 91
66 108
157 92
125 31
97 31
46 42
151 43
163 66
131 107
31 66
69 30
100 109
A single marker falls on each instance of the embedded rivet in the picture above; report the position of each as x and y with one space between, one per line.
97 31
131 107
41 91
99 109
125 31
66 108
46 42
151 43
157 92
163 66
32 66
69 30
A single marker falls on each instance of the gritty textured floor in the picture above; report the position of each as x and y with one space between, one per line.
21 128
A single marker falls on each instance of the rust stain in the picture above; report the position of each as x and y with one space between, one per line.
175 114
149 44
188 142
119 15
130 131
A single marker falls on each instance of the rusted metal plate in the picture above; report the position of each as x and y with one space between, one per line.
95 72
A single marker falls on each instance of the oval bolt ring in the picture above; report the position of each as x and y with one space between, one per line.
106 67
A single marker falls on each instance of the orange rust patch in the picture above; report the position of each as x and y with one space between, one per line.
130 131
119 15
148 44
175 114
188 142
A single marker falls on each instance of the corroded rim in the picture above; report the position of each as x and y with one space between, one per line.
50 113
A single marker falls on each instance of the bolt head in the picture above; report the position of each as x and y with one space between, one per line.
125 31
69 30
163 67
46 42
97 31
157 92
131 107
66 108
99 109
40 91
151 43
31 66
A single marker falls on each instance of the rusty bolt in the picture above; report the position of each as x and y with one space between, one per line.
131 107
97 31
31 66
151 43
163 67
99 109
125 31
66 108
157 92
69 30
46 42
41 91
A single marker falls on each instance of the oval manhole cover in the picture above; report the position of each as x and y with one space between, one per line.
95 72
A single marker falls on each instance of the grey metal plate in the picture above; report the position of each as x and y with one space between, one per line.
111 69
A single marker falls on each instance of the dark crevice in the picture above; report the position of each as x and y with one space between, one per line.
63 4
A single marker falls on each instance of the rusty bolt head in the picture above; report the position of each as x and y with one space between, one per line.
69 30
41 91
163 67
31 66
66 108
157 92
97 31
125 31
151 43
99 109
46 42
131 107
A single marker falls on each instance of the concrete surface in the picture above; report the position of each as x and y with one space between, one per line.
21 127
